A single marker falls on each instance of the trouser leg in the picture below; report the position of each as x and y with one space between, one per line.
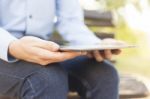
23 80
91 79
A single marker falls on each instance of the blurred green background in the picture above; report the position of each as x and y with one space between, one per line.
133 26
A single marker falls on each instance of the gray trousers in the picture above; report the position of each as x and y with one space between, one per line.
91 79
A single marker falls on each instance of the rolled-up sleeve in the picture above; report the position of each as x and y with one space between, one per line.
71 25
5 39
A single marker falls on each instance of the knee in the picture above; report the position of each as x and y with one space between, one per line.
108 72
107 81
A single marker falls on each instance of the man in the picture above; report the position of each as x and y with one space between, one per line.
32 67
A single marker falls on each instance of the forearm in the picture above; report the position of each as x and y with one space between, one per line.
71 23
77 33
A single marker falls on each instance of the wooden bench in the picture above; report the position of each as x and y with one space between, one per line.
6 97
130 85
100 19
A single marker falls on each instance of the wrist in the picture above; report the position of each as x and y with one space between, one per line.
12 48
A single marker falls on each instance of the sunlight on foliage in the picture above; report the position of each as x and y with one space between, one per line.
110 5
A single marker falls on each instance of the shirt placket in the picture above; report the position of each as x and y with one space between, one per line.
29 17
40 15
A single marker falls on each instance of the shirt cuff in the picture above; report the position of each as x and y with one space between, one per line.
6 39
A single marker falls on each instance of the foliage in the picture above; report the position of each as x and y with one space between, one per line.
112 4
116 4
131 60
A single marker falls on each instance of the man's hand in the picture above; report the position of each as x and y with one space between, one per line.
35 50
106 54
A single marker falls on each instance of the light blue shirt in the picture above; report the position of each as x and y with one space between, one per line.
19 18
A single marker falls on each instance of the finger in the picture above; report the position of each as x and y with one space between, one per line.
116 51
41 62
45 62
70 55
35 60
109 40
98 56
48 45
113 41
61 56
107 54
52 46
37 42
41 53
90 55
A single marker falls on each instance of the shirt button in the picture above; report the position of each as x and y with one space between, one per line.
30 16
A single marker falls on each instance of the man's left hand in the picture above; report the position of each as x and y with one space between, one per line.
105 54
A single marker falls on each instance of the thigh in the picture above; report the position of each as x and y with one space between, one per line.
13 76
86 74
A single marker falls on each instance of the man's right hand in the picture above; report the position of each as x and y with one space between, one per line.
36 50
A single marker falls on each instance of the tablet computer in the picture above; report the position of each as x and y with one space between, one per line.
95 47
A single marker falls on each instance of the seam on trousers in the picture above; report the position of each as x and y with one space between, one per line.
31 85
